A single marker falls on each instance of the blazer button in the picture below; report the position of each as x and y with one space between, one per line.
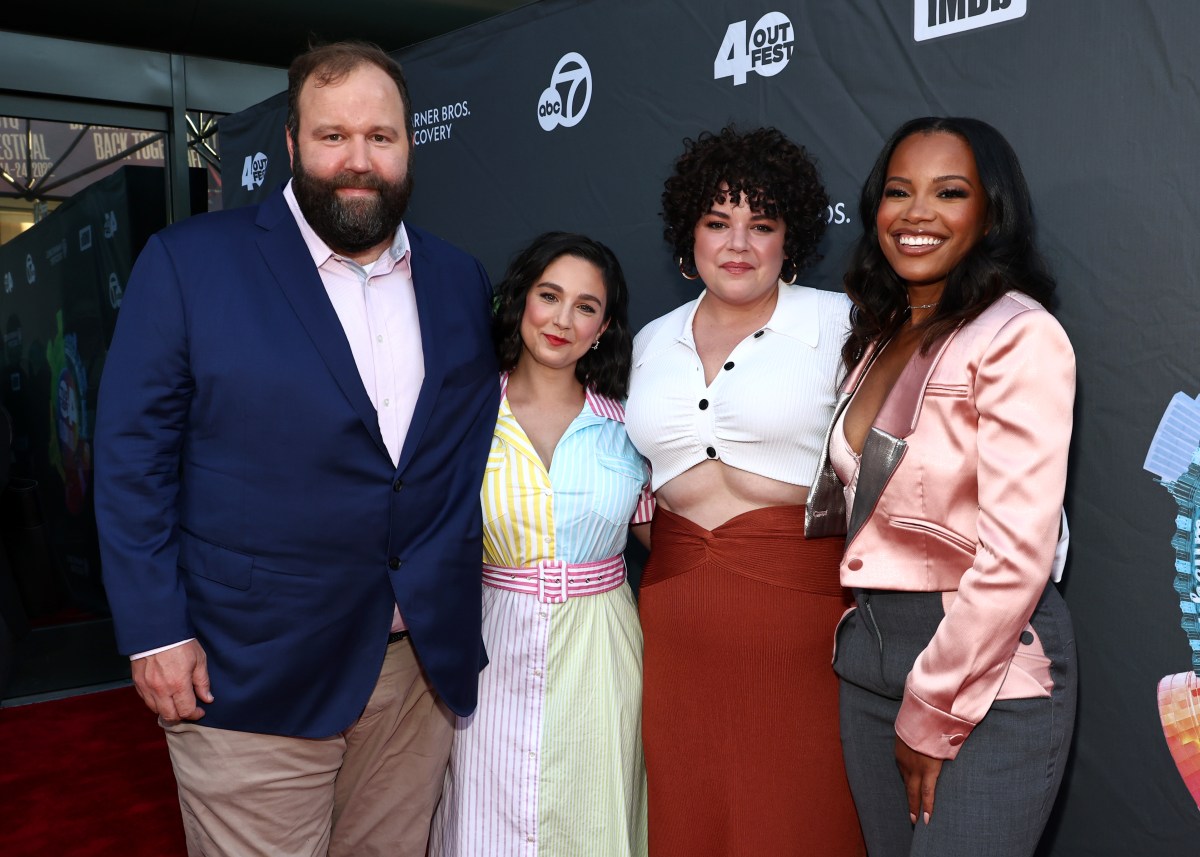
397 485
854 564
955 740
393 562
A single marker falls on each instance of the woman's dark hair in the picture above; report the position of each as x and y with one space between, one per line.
605 369
773 174
1004 258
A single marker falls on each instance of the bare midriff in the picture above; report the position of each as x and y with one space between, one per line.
712 493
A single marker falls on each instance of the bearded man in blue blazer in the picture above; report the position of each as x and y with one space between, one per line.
293 425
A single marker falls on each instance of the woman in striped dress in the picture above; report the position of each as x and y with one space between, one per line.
551 763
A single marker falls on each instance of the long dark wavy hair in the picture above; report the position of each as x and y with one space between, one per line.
606 369
1004 258
776 177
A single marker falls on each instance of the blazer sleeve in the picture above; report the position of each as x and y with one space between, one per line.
1024 391
143 404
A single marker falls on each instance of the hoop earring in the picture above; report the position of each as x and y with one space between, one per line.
688 271
788 265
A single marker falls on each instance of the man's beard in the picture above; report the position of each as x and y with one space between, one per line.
350 226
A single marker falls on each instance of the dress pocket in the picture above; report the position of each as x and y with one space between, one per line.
618 485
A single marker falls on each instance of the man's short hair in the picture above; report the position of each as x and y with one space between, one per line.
329 64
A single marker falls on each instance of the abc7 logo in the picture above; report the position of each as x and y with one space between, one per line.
573 75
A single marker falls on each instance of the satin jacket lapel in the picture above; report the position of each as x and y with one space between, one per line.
291 264
825 509
885 445
430 292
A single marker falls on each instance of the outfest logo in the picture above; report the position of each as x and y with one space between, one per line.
764 50
935 18
254 171
565 101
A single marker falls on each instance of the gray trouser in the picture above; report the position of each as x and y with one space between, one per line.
993 800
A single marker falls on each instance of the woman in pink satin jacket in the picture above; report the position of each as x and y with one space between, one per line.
945 466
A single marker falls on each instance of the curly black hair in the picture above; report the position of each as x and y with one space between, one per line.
774 175
1005 258
604 369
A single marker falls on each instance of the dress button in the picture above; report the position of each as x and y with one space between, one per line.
728 365
546 539
704 404
760 333
712 453
1027 638
537 672
955 740
393 562
397 485
854 564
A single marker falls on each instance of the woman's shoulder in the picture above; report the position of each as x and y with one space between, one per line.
1014 316
1017 310
834 309
665 328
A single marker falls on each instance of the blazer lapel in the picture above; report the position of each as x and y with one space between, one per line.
885 445
290 263
825 509
430 293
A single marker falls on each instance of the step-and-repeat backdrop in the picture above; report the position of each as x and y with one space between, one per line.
568 115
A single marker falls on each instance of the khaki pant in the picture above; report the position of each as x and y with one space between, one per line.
370 790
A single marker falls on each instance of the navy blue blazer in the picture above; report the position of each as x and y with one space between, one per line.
245 497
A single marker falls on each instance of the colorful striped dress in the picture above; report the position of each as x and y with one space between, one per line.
550 764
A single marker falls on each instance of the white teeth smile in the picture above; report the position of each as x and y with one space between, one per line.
919 240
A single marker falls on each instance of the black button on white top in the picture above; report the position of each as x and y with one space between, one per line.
760 333
393 562
728 365
712 453
704 404
1027 638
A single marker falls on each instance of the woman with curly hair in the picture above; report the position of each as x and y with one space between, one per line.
949 452
729 399
551 763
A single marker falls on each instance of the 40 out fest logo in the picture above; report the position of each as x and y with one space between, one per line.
565 101
764 50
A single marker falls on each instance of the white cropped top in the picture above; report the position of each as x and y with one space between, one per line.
765 412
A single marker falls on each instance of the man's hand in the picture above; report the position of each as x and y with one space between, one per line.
920 774
170 682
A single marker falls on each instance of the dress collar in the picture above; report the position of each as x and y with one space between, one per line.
600 406
797 315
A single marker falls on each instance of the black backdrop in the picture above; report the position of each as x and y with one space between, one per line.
1100 100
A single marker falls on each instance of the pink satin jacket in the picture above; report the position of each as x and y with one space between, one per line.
960 491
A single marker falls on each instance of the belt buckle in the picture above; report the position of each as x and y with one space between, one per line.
552 597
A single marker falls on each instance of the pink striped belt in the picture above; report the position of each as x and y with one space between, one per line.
553 581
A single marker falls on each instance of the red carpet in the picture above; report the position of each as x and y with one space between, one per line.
87 776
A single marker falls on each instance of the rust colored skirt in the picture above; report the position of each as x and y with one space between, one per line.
740 703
